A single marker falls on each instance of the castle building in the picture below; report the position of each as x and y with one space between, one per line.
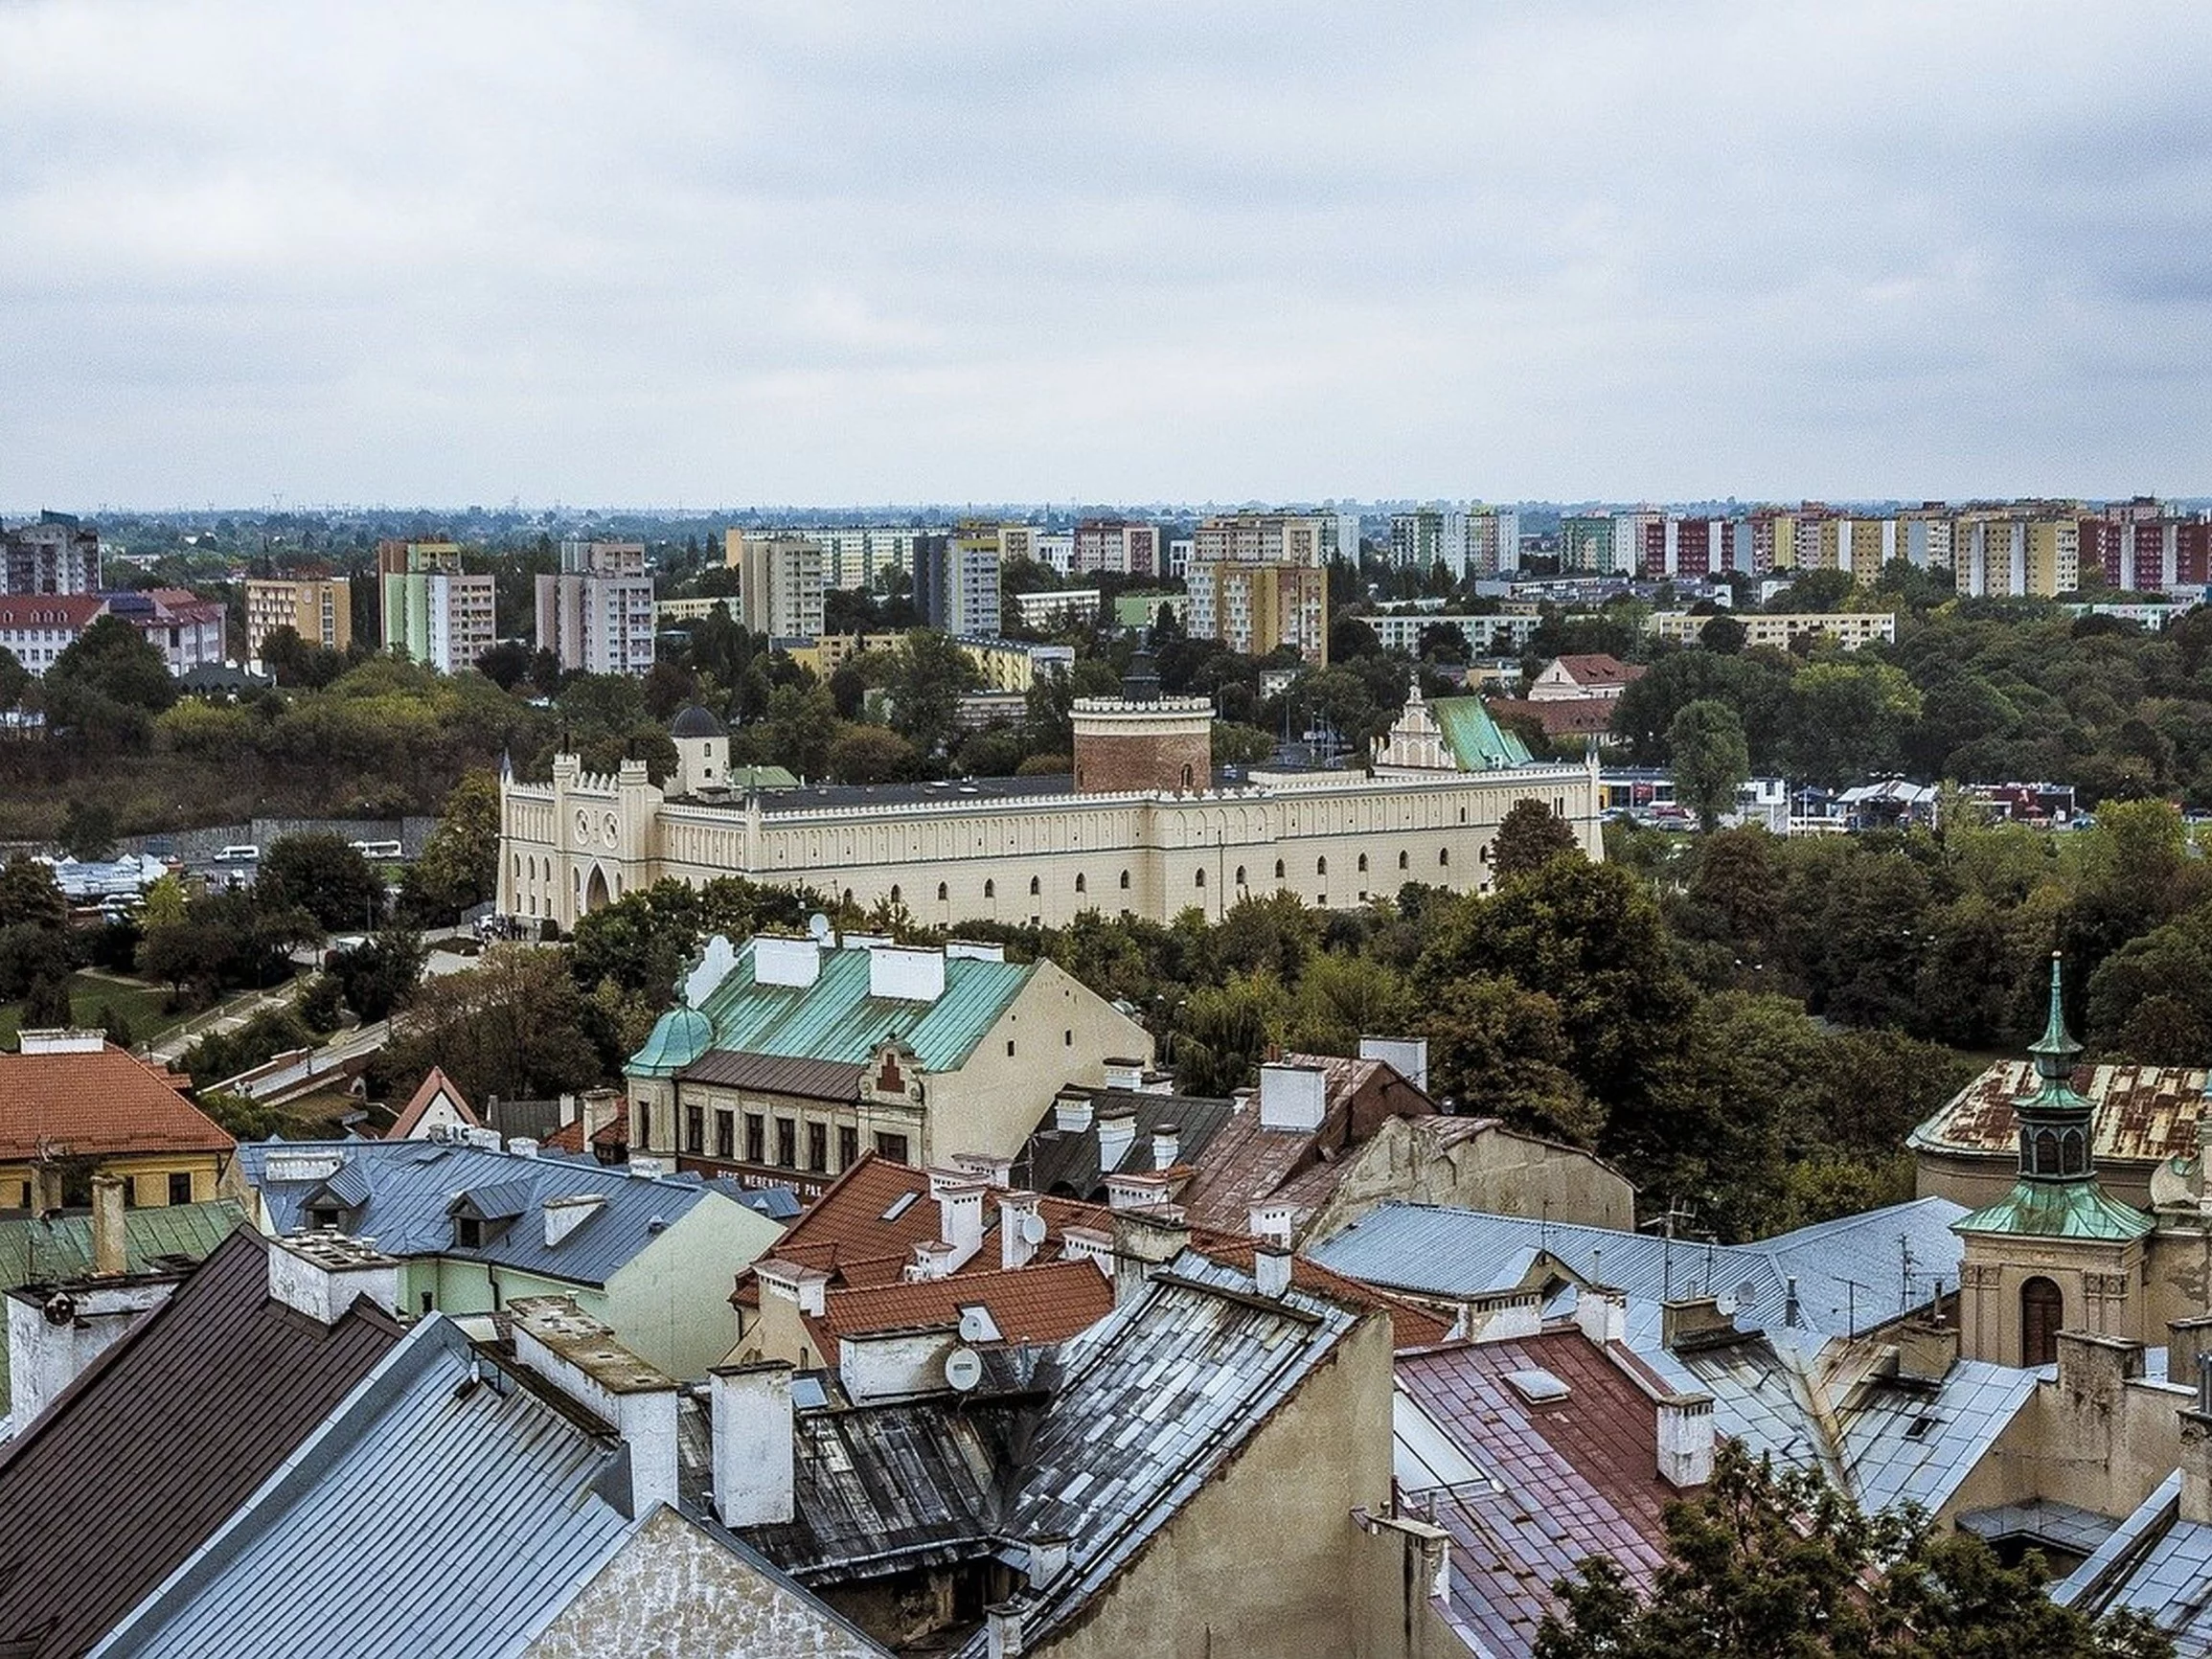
1145 826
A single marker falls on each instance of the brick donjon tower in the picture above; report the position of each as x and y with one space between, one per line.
1131 743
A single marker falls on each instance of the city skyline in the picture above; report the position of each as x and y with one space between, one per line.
1003 253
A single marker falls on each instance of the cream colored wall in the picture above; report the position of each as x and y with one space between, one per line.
2093 1439
1498 1170
2102 1285
670 1303
1266 1559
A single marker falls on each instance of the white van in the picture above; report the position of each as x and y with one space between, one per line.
378 851
239 852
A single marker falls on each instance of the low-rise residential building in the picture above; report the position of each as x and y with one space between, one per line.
473 1228
1595 677
1055 607
1484 636
790 1058
596 612
1849 630
435 612
318 608
73 1105
188 632
1013 665
36 630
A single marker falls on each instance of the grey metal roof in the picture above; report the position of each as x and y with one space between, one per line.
1068 1161
1850 1273
413 1186
2154 1563
1904 1444
467 1514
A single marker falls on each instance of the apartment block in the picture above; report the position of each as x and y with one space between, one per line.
1465 540
318 608
434 611
1260 539
1115 545
1586 542
780 579
596 613
57 554
1850 629
854 556
956 583
2003 555
1253 608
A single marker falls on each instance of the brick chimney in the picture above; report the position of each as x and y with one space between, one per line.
1686 1318
581 1358
1685 1440
1145 1241
323 1273
2185 1340
750 1409
111 1244
1927 1349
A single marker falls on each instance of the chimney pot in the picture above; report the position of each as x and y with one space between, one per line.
1002 1631
1117 1133
1071 1114
1167 1146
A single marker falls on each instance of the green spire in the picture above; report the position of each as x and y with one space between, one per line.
2056 1051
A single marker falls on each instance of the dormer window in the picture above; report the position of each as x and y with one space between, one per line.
324 1220
468 1233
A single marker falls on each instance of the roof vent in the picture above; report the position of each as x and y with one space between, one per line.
1538 1386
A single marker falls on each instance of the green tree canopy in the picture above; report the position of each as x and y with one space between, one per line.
325 876
1711 757
1530 837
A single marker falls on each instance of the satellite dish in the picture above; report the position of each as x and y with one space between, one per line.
818 926
963 1368
1031 1228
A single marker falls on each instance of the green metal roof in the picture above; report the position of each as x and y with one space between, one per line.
836 1018
2058 1210
33 1251
1475 738
679 1036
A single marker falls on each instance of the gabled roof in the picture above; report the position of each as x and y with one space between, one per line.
1473 736
50 611
836 1018
99 1101
2141 1114
95 1509
1598 669
415 1186
1045 1303
436 1085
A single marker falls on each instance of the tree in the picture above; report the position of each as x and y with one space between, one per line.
1530 837
459 868
29 897
105 686
514 1025
506 665
1724 636
323 876
925 679
88 830
14 678
1219 1037
1761 1564
381 973
1711 759
872 754
31 956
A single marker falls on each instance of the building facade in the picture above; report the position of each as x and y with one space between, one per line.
435 612
319 609
1253 608
1261 539
956 583
57 555
780 579
596 613
1850 629
1115 545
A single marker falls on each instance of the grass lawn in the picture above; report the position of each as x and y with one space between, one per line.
139 1005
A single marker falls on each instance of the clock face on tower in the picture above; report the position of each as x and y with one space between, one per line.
611 828
583 825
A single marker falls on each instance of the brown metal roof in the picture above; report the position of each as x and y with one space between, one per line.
2143 1113
793 1074
163 1437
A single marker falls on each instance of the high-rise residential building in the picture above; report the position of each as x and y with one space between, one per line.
318 608
57 555
434 611
1260 539
1340 537
1115 545
596 612
1252 607
1587 543
1924 535
1472 540
2012 554
956 583
781 579
854 556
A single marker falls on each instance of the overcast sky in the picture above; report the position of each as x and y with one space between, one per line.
782 253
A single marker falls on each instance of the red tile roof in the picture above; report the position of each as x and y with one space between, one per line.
1597 668
435 1084
1048 1302
1563 717
100 1103
569 1137
1410 1326
50 611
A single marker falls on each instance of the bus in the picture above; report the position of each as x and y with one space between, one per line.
384 850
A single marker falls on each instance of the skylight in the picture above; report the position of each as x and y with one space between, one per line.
901 1205
1538 1386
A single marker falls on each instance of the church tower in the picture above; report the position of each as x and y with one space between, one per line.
2056 1251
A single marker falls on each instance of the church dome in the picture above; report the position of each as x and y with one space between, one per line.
678 1038
696 722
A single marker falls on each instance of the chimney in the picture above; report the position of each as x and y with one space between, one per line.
1792 1311
806 1287
110 1244
564 1215
1144 1240
1125 1073
2186 1340
1002 1631
2095 1370
959 1212
1071 1112
523 1146
1140 1190
323 1273
1927 1348
1602 1315
1117 1133
581 1358
793 962
993 1172
1407 1057
1686 1318
59 1040
1685 1440
1271 1219
1167 1146
1048 1554
2196 1460
1020 1229
55 1330
1272 1271
599 1106
750 1409
905 975
1292 1097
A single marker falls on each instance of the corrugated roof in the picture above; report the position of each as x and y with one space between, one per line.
99 1103
2141 1114
836 1018
804 1078
416 1477
414 1185
1475 738
95 1509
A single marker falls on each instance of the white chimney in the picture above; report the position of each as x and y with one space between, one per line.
1167 1146
993 1172
932 1259
1271 1219
641 1167
1139 1189
323 1273
286 1166
969 950
904 974
1117 1133
1602 1315
807 1287
1020 1229
1271 1270
1686 1439
581 1358
1125 1073
523 1146
1407 1057
797 962
1292 1097
1048 1554
564 1215
959 1213
1002 1631
750 1416
1071 1113
55 1330
59 1040
111 1244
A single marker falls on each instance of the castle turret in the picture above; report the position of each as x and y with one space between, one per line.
1128 744
702 750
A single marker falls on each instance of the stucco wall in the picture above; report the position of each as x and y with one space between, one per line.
671 1305
1497 1169
2095 1438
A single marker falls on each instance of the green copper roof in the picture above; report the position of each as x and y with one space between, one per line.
836 1018
1475 738
679 1036
2058 1210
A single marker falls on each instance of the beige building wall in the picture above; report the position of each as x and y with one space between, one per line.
320 611
1436 1161
2101 1281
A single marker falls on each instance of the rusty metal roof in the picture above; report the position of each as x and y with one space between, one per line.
2142 1114
792 1075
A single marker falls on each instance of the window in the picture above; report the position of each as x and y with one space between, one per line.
990 890
943 892
323 1219
1444 855
1240 876
756 1138
1010 1048
695 1130
429 1301
2042 1315
848 1147
1401 864
894 898
787 1144
1081 886
1124 881
1068 1038
1202 879
1320 865
642 1140
818 1147
1278 870
725 1134
1035 886
1363 863
180 1188
468 1233
891 1147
